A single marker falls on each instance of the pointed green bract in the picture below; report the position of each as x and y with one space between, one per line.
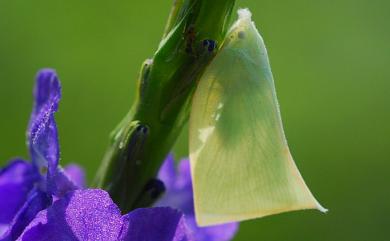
240 161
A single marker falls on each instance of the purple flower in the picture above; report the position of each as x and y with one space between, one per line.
179 195
27 191
91 215
16 181
31 186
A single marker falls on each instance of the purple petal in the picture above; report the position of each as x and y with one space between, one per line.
223 232
59 183
16 181
157 224
43 136
47 90
183 179
76 174
179 195
167 172
36 202
80 215
178 186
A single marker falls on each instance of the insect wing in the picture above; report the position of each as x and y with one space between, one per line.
240 161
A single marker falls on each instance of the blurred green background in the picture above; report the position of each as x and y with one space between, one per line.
331 66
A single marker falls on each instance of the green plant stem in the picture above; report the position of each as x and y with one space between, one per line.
166 83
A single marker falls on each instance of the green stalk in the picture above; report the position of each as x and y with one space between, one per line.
166 83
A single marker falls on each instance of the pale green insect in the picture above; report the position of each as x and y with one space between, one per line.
240 162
